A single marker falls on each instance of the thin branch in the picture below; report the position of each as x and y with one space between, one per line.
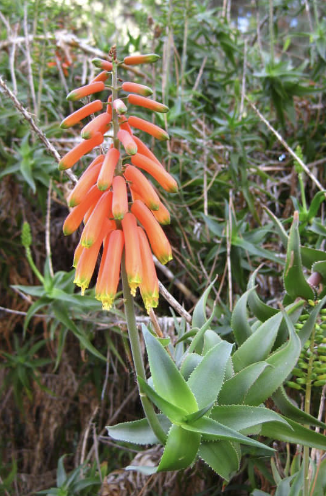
200 73
243 86
167 272
174 303
47 228
29 62
284 143
17 312
48 145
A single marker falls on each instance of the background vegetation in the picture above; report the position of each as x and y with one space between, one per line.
221 61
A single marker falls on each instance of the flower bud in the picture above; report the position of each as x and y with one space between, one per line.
83 91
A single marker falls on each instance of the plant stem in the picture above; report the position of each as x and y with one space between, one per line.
115 117
32 265
303 195
137 356
307 410
271 30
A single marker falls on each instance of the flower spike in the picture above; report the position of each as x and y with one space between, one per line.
144 150
86 181
87 260
83 91
80 114
95 222
120 198
141 59
79 151
105 65
162 215
140 184
159 242
102 76
140 89
148 127
159 173
132 252
147 103
119 106
127 141
110 162
76 216
149 288
108 279
101 124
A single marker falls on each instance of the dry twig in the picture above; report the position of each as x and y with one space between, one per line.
48 145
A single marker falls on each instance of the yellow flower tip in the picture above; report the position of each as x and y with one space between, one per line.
67 232
134 282
86 135
107 301
72 203
150 302
102 186
153 206
63 125
87 243
82 283
165 259
62 165
72 97
119 215
133 290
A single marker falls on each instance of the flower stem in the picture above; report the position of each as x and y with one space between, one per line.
137 356
307 410
303 195
32 265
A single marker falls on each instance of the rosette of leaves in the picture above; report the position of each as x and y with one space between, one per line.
211 393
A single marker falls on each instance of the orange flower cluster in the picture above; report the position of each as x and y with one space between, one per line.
117 203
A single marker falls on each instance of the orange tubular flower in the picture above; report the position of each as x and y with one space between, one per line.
105 177
132 252
78 251
140 184
87 259
102 76
80 114
148 127
74 219
85 182
141 59
105 65
159 242
109 107
149 288
120 198
95 222
83 91
142 101
119 106
144 150
140 89
128 142
101 124
162 215
123 124
109 274
79 151
159 173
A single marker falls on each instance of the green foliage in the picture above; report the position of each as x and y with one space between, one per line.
82 480
234 211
